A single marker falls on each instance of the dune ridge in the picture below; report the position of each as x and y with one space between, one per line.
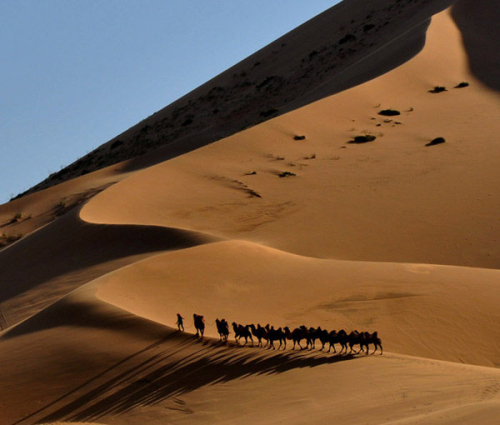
301 67
380 201
36 278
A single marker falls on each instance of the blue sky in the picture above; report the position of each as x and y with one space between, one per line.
76 73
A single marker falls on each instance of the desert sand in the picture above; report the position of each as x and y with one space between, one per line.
392 235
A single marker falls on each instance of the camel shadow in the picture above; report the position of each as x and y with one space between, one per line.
166 376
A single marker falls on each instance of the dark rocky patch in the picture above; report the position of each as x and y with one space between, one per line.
436 141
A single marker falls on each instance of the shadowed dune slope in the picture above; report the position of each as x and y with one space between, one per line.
478 23
24 215
60 257
393 199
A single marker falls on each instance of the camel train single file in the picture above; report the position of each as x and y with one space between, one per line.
267 336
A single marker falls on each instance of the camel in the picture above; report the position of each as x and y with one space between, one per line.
276 335
199 324
323 336
311 341
260 333
315 334
241 331
373 338
355 338
339 337
223 329
297 335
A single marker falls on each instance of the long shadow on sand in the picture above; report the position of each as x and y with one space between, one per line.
169 374
477 20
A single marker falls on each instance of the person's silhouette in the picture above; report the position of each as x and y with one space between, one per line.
180 322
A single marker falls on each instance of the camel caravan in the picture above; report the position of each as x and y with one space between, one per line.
268 336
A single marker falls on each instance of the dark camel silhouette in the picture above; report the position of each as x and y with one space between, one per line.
297 335
276 335
199 324
313 336
260 333
323 336
339 337
355 338
223 329
373 338
241 331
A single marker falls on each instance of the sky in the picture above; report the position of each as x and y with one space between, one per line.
74 74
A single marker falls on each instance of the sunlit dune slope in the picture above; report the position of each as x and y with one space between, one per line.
424 310
393 199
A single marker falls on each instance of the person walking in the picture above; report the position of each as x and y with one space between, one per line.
180 322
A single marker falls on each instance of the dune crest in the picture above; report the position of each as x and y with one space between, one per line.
380 201
350 43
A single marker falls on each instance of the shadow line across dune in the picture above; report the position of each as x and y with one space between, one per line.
183 365
70 252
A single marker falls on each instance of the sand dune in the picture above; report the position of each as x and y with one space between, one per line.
266 227
68 253
346 45
97 362
390 200
424 310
